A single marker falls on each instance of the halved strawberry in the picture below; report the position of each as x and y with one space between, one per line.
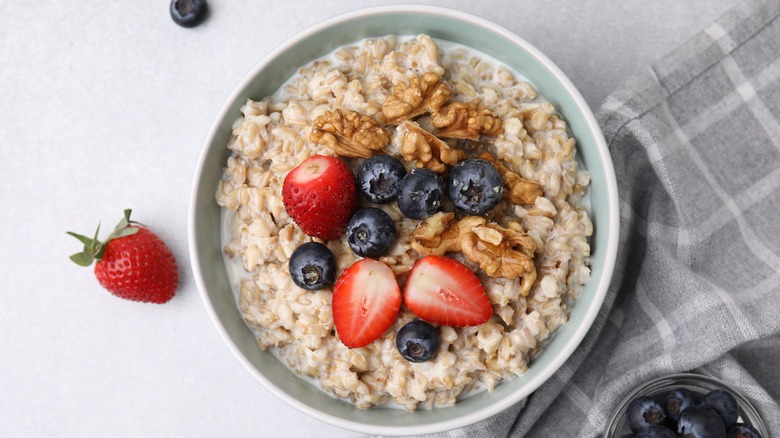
366 300
445 292
320 195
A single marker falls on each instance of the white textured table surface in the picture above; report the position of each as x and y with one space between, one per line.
104 106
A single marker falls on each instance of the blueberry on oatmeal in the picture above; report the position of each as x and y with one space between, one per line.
417 341
420 194
644 412
722 402
371 233
378 178
474 186
312 266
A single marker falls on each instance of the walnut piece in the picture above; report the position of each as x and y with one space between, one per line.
441 233
466 121
502 252
349 135
519 190
428 150
423 94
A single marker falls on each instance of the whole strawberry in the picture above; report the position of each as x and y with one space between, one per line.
133 263
320 195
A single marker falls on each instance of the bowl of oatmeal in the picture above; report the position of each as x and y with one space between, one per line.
438 91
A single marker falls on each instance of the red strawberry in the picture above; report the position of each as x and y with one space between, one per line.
443 291
320 195
133 263
366 300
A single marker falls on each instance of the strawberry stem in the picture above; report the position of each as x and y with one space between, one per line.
94 248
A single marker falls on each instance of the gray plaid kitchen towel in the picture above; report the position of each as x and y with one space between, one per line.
696 147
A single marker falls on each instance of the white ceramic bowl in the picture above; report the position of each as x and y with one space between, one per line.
275 68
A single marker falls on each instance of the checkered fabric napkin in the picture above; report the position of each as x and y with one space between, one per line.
696 147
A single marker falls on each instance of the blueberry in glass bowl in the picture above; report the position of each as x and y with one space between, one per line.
693 406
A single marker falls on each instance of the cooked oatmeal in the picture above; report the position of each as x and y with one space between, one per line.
466 105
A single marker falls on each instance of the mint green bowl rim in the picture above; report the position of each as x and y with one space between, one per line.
318 40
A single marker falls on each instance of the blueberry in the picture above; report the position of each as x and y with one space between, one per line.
677 401
417 341
700 422
722 402
656 431
188 13
371 233
474 186
312 266
743 431
420 194
378 178
644 412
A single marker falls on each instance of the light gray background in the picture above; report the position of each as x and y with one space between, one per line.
104 106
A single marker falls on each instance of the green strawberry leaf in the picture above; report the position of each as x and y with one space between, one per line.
84 239
82 258
122 232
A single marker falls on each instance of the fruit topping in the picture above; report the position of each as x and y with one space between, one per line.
320 195
417 341
420 194
371 233
443 291
700 422
189 13
474 186
132 263
378 178
366 300
312 266
644 412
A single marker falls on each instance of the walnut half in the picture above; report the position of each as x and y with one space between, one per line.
502 252
519 190
466 121
441 233
349 135
423 94
427 150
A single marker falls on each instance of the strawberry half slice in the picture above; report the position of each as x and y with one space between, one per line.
443 291
366 300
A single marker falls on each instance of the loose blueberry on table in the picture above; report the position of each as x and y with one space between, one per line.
371 233
189 13
420 194
312 266
474 186
417 341
378 178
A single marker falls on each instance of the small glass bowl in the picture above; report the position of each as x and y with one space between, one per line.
700 385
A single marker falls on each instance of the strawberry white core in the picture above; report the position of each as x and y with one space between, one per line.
311 169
